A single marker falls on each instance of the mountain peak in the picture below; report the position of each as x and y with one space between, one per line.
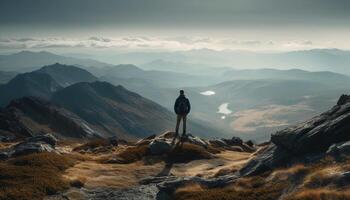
67 75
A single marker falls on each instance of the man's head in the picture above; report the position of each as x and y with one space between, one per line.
182 92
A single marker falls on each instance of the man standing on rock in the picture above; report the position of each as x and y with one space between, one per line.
182 107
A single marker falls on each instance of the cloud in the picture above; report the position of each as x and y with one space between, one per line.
154 43
100 39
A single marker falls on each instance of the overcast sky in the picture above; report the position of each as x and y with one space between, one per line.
175 24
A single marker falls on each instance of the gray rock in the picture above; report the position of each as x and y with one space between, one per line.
196 140
268 158
338 149
318 133
343 179
160 146
26 148
343 99
166 135
218 143
113 140
142 192
4 155
234 141
37 144
47 138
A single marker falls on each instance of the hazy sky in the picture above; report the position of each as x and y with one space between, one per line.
175 24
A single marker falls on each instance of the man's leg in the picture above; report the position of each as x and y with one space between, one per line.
177 124
178 119
184 125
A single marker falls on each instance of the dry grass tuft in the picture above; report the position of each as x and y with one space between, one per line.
225 171
33 176
320 194
92 144
188 152
320 178
132 154
252 189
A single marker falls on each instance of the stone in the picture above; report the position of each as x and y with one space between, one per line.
160 146
268 158
113 141
47 138
343 99
218 143
26 148
196 140
339 149
318 133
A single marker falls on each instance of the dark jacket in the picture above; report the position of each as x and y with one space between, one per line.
180 101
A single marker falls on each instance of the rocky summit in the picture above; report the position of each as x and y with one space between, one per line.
306 141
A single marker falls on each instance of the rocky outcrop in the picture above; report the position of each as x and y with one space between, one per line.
318 133
307 141
37 144
234 144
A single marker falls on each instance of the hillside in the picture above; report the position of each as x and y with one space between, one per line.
31 116
113 109
308 160
28 84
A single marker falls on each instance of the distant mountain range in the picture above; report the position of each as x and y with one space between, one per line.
333 60
73 96
26 61
43 82
250 103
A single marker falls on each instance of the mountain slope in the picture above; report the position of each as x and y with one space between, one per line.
31 116
326 77
163 79
67 75
6 76
28 84
114 109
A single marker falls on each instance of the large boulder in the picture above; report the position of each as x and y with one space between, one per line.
196 141
160 146
326 134
340 149
26 148
46 138
36 144
318 133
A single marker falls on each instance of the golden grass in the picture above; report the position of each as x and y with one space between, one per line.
33 176
295 172
92 144
320 194
132 154
251 190
188 152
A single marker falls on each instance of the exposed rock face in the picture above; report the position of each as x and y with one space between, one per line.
235 144
10 125
160 146
343 99
306 141
339 149
317 134
37 144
